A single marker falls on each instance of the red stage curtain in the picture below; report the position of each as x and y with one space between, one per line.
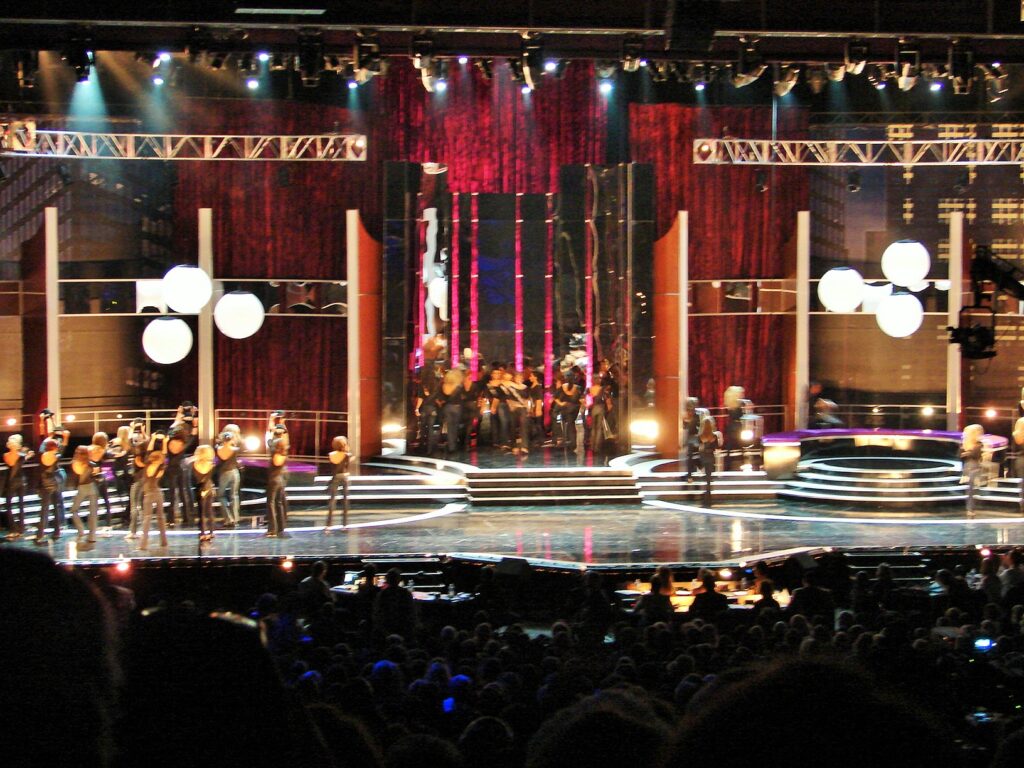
742 350
735 231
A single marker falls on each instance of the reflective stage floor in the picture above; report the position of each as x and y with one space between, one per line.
656 532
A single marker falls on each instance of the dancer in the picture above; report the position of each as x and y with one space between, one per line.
139 449
339 458
153 497
202 465
734 400
450 395
566 409
98 452
535 386
710 440
693 418
517 398
50 429
176 478
1018 461
85 472
121 453
425 411
14 460
277 481
275 420
229 477
49 458
971 454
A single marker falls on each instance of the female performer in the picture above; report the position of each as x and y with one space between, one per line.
202 473
139 450
710 440
566 409
339 458
121 453
98 451
450 396
229 478
517 397
277 481
49 458
14 460
50 429
178 483
85 472
971 453
153 497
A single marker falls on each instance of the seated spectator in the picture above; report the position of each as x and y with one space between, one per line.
955 591
1012 572
810 600
315 589
767 601
709 603
655 606
394 610
863 599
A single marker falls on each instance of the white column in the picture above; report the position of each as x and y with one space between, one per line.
803 315
52 279
956 290
683 371
204 395
352 324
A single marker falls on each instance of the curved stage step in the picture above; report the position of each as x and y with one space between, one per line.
895 481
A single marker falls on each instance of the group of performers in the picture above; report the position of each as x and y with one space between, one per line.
156 476
506 408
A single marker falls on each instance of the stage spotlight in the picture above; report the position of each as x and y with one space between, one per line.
70 417
644 430
632 50
287 564
817 79
263 57
533 61
935 86
908 67
961 69
747 436
463 60
391 429
252 83
247 63
550 66
485 67
876 76
856 58
835 72
659 72
278 63
80 59
515 70
311 58
352 85
749 66
422 51
440 85
252 443
725 574
525 90
990 413
785 78
163 56
605 70
606 87
698 75
11 421
123 566
853 181
158 80
927 411
367 61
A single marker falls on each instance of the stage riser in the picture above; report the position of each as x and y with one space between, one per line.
919 503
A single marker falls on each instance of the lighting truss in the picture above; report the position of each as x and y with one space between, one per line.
329 147
878 153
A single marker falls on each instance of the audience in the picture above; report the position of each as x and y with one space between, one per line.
307 681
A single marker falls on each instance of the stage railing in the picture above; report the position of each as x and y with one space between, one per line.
83 423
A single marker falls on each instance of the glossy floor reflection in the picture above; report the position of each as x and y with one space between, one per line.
602 535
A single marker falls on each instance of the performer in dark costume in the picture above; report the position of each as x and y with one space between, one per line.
339 458
426 411
470 411
85 474
14 461
520 408
202 466
49 458
229 477
277 482
139 449
692 421
121 453
178 483
710 440
98 452
450 396
734 401
535 387
566 409
153 497
49 428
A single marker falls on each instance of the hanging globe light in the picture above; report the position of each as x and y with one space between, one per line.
899 315
919 286
841 289
873 295
239 314
187 289
906 262
167 340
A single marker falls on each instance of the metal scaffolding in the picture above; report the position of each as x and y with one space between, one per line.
18 141
731 151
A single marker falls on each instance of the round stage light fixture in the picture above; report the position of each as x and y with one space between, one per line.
841 289
928 411
167 340
239 314
906 262
11 421
252 443
873 294
990 413
187 289
899 315
70 417
644 430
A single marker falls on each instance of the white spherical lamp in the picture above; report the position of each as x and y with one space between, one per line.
841 289
899 315
906 262
187 289
873 295
167 340
239 314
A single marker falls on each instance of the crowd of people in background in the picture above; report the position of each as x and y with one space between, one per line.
853 673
